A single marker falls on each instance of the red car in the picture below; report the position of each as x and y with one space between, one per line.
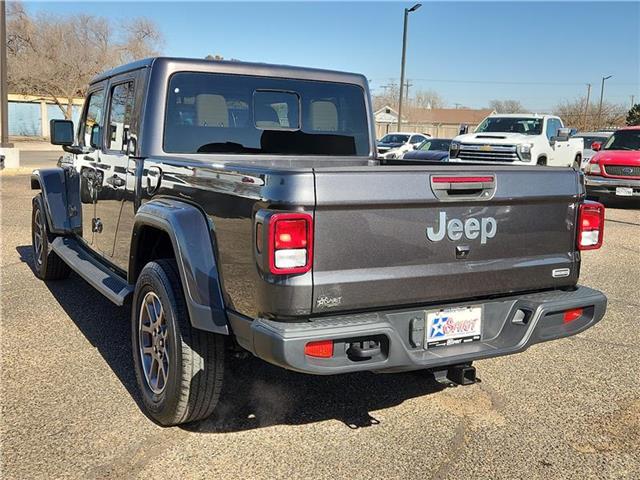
615 168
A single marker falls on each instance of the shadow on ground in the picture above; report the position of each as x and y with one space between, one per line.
620 203
255 394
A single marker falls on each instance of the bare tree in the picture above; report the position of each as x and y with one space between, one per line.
575 113
58 56
422 99
388 96
142 39
506 106
428 99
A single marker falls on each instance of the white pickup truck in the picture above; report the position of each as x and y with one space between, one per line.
519 139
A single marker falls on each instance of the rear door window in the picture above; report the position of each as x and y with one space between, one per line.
234 114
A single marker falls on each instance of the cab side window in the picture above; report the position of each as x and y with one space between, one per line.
91 126
120 116
552 127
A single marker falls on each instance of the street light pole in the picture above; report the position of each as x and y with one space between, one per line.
601 97
4 109
404 55
586 108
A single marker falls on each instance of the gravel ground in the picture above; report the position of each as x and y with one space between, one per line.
564 409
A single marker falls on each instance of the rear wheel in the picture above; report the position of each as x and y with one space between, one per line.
179 369
47 264
577 163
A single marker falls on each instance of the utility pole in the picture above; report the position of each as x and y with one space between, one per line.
633 100
586 107
407 84
4 108
601 97
404 57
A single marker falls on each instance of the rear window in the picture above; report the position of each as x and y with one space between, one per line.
218 113
624 140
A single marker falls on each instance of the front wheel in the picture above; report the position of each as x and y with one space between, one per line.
179 369
47 264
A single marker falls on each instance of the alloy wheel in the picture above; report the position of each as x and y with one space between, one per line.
38 237
153 342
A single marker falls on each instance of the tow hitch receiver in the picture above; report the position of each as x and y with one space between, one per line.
463 374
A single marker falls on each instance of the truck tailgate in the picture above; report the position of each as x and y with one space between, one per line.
378 238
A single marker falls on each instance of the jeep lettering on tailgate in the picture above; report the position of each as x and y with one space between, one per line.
455 229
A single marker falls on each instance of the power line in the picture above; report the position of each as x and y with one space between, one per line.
503 82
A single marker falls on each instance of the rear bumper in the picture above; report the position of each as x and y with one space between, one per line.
607 186
283 343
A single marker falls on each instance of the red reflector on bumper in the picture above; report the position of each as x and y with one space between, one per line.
321 349
573 314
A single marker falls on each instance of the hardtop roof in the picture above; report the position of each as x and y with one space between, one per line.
237 67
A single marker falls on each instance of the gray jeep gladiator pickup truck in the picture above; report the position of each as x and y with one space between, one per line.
241 208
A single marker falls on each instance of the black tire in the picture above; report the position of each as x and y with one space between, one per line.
46 264
577 163
195 359
542 161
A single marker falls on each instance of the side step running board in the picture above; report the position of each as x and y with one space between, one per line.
110 284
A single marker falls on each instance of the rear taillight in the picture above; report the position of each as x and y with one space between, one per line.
290 243
590 225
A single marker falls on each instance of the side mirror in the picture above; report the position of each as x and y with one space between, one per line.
596 146
61 132
96 133
562 135
464 129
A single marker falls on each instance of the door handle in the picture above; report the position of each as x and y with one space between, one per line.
116 181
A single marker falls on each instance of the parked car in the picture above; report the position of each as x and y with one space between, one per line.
259 221
589 138
519 139
614 171
392 145
432 149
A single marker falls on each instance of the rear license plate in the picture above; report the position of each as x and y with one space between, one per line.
451 326
624 191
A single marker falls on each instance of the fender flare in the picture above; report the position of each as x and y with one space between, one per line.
193 245
52 183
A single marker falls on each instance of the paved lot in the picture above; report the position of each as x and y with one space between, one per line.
566 409
39 159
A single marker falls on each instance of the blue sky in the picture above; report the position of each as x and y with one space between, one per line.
469 52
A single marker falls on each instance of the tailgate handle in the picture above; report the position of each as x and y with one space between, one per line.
457 186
